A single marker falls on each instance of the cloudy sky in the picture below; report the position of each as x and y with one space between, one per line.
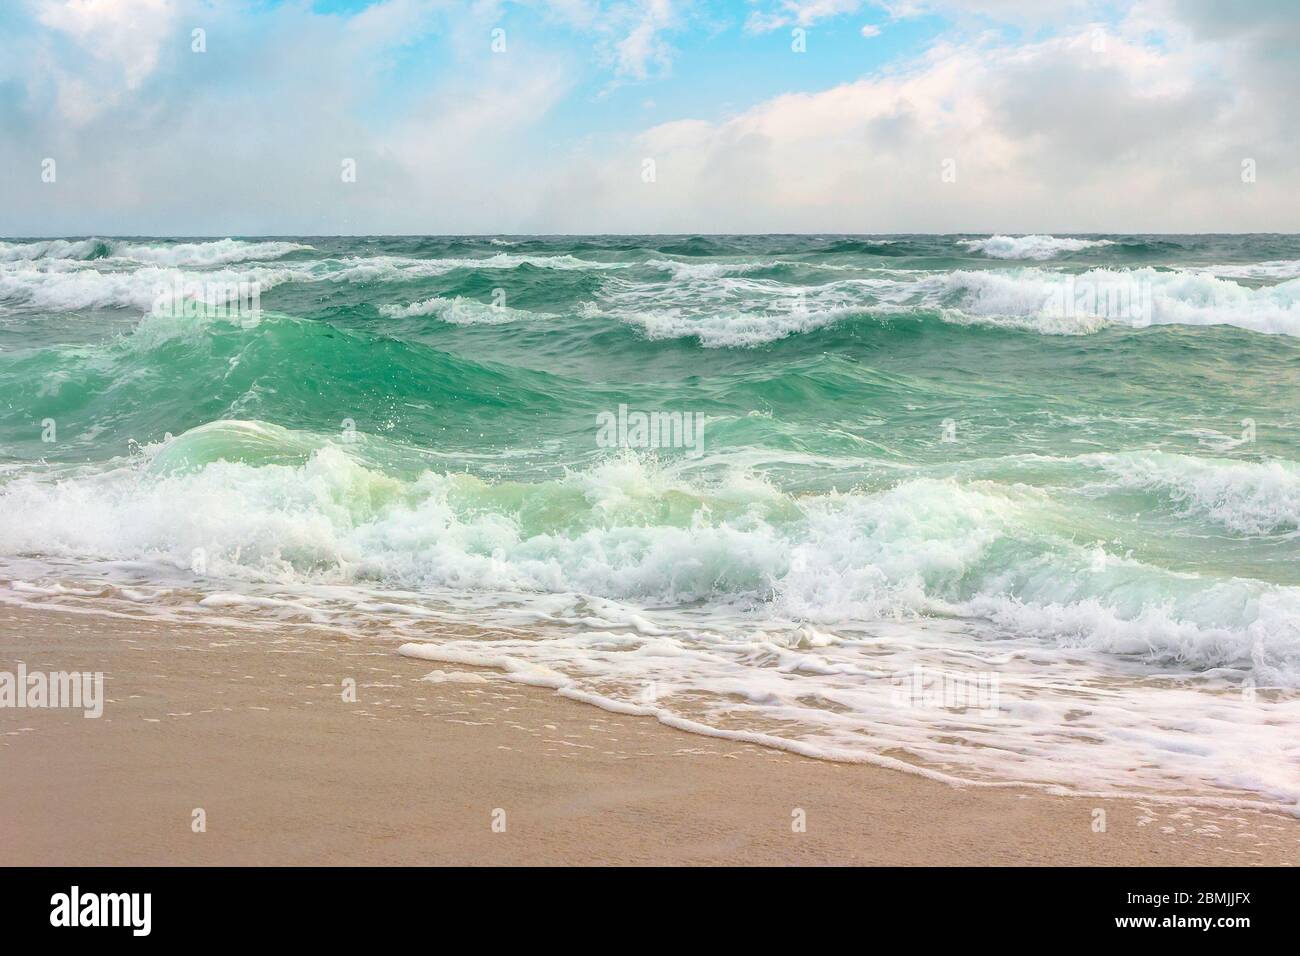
186 117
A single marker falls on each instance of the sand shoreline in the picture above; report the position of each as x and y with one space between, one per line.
252 729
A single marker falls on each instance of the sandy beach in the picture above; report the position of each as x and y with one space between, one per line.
251 727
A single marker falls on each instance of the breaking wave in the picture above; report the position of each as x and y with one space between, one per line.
1030 247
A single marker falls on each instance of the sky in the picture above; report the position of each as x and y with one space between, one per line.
251 117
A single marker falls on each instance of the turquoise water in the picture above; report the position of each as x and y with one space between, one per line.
1071 462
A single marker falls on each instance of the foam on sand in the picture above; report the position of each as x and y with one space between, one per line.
797 618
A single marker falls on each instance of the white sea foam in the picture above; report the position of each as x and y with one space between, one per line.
399 268
1029 247
780 618
57 275
61 289
217 252
730 311
462 311
1275 269
705 270
1049 301
717 303
51 249
924 546
843 702
214 252
1249 498
737 329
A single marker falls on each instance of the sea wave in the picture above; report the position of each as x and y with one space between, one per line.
1030 247
1245 497
729 311
1136 298
1275 269
924 546
791 620
60 289
371 268
462 311
735 329
706 270
722 304
81 249
914 470
218 252
211 253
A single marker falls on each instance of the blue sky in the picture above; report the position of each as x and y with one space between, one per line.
895 116
714 66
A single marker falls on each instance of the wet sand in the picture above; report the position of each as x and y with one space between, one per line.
252 728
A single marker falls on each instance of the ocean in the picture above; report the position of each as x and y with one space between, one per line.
994 509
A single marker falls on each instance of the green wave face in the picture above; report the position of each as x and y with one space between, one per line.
852 435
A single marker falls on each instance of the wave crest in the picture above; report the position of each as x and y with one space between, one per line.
264 501
462 311
215 252
1030 247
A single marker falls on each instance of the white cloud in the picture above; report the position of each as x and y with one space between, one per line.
125 33
644 48
802 13
1046 136
1033 11
1146 134
117 41
871 30
249 137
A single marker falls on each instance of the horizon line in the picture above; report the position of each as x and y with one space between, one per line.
603 235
